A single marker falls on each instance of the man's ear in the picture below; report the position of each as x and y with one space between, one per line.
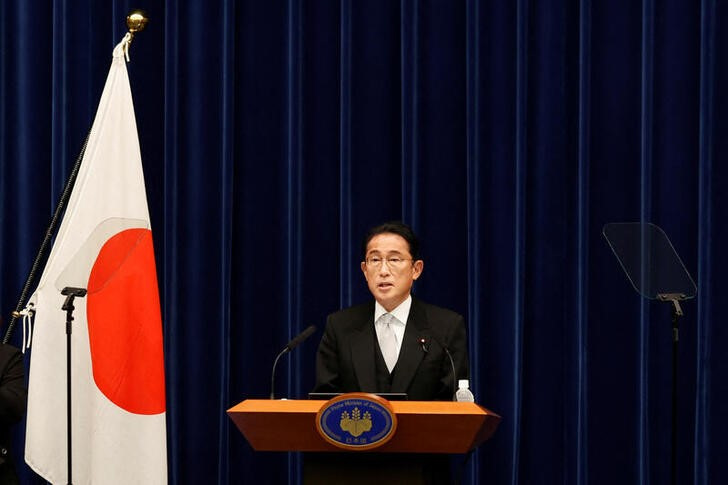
364 269
417 268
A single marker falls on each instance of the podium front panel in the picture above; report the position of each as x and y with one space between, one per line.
423 426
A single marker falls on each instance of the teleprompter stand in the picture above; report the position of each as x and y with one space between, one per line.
656 272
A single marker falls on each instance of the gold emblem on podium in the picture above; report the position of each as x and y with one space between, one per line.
355 424
356 421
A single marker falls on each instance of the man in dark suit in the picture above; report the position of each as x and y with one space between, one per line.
13 397
396 343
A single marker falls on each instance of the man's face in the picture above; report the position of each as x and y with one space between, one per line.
389 269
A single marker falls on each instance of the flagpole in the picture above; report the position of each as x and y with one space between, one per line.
136 21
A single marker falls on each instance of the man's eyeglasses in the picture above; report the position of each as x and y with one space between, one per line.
392 263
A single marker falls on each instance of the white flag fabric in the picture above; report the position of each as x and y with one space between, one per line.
104 245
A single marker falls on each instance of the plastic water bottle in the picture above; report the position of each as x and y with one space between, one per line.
463 394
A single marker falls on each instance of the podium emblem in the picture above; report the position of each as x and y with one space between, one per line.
356 421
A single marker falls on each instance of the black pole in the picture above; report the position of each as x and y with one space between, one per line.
65 195
70 293
69 445
273 372
676 312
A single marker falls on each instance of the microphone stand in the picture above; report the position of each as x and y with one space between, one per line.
70 293
273 373
423 344
454 375
295 342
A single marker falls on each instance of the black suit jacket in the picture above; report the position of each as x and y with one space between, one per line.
346 356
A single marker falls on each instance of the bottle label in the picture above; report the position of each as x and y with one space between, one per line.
464 395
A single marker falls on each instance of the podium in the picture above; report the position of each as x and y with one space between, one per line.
426 432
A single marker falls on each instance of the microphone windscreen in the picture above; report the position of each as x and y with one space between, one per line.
301 337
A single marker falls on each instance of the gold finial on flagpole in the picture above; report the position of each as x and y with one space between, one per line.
136 21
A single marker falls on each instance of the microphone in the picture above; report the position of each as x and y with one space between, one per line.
423 343
295 342
70 293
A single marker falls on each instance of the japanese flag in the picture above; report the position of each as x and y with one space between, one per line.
104 245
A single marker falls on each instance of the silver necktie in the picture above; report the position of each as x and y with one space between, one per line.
388 341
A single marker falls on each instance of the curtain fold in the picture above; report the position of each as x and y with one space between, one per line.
507 133
702 433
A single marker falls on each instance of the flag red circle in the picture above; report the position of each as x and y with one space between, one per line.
125 323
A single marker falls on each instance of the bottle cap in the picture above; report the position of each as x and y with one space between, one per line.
463 384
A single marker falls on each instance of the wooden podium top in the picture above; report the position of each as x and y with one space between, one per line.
422 426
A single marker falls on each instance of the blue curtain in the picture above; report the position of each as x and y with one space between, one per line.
507 132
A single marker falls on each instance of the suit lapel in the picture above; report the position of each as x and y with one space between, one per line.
411 354
362 351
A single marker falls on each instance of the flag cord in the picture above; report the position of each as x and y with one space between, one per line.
27 314
125 43
46 242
